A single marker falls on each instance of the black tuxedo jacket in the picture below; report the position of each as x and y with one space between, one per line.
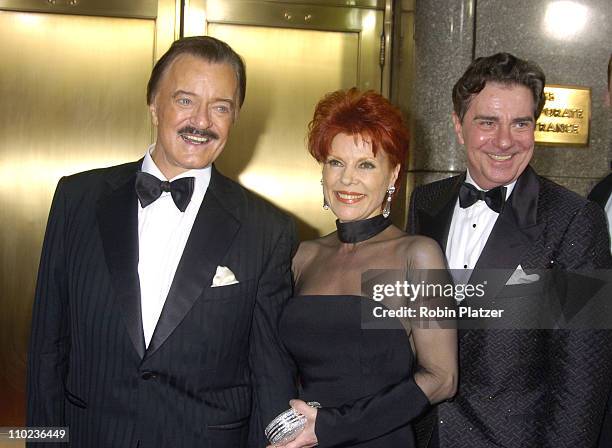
525 388
214 360
600 194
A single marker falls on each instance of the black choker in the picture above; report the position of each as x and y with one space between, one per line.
357 231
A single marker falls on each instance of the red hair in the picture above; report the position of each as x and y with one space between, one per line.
367 114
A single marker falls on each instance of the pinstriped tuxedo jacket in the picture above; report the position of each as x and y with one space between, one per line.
214 362
525 388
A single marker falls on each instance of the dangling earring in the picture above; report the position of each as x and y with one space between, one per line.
325 204
387 208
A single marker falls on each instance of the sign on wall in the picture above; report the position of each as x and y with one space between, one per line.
566 117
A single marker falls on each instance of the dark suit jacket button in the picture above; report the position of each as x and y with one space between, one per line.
148 376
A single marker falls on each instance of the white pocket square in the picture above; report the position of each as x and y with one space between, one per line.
520 277
223 277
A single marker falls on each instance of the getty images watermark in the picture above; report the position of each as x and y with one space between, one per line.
423 293
483 299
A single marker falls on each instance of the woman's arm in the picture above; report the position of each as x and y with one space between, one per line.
435 343
436 351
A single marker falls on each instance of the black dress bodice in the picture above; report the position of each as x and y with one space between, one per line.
340 362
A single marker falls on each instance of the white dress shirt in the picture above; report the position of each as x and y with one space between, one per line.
469 230
162 234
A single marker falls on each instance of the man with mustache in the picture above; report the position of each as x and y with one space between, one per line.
161 282
538 387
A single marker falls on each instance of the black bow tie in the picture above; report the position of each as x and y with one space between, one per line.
149 188
494 198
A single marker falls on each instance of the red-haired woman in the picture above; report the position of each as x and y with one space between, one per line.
371 383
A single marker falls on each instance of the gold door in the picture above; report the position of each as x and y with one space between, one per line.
294 55
72 94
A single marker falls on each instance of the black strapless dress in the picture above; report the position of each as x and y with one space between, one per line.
366 375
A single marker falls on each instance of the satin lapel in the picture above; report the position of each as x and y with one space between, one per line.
118 223
512 236
211 236
602 191
436 224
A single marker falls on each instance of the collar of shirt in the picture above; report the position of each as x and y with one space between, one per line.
202 177
470 180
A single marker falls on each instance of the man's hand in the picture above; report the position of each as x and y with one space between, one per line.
307 438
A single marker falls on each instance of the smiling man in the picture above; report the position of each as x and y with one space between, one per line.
518 388
161 282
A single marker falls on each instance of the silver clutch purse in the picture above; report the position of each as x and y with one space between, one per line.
287 425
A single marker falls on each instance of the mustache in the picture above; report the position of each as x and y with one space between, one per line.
199 132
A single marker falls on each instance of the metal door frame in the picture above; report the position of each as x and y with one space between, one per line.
139 9
374 51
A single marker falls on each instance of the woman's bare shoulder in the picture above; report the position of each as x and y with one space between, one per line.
308 250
